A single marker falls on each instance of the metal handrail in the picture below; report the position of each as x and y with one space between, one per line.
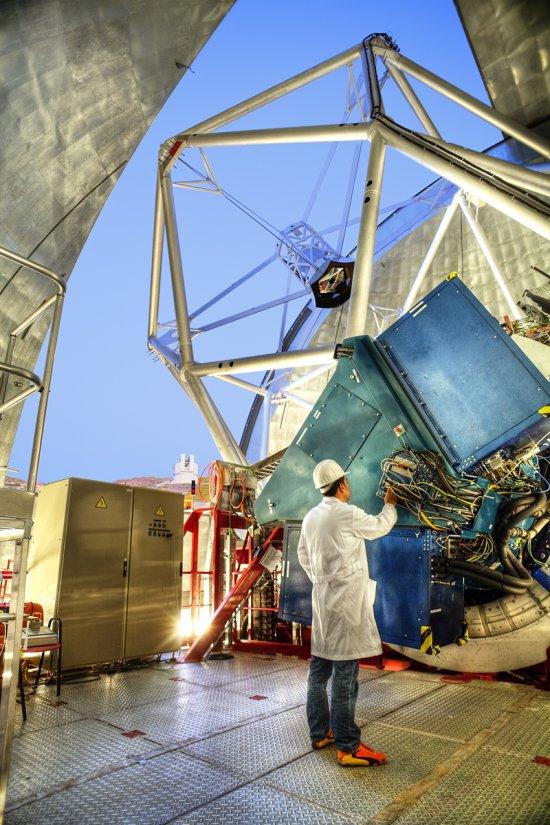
17 511
12 369
58 280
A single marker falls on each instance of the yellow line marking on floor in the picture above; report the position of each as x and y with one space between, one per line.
413 793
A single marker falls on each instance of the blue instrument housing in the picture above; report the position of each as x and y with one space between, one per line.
444 378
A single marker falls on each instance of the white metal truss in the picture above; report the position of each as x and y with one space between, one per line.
507 187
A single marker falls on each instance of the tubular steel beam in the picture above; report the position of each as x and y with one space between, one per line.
304 379
21 372
412 99
295 399
30 319
43 270
516 175
17 399
532 218
472 104
362 273
244 385
430 254
156 261
287 134
256 363
220 432
45 394
261 99
176 270
481 238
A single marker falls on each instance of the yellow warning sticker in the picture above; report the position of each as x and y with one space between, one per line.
101 504
159 511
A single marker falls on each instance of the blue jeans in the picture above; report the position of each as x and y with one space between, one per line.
343 699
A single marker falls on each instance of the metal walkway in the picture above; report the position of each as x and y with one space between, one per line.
227 742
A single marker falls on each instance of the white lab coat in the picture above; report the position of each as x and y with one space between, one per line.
331 550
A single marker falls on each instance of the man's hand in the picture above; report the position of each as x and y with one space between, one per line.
390 497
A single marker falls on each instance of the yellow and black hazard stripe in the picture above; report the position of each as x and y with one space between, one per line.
427 641
464 638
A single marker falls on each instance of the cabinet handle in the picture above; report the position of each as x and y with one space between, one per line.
124 568
181 568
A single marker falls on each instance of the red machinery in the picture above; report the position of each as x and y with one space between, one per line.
239 578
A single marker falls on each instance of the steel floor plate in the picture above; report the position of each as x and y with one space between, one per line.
379 697
263 806
122 690
361 793
242 666
528 733
212 753
64 752
148 793
458 711
489 788
288 686
261 745
43 713
186 718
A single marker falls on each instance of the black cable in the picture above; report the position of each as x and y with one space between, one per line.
506 525
478 572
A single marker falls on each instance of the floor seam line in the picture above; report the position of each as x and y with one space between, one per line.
131 761
407 798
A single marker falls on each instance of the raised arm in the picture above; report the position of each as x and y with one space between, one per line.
373 527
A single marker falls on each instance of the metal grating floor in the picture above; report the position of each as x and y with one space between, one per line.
207 751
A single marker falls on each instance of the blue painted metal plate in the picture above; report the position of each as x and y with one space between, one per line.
353 423
406 596
295 598
468 379
400 564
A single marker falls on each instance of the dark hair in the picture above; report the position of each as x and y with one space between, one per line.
333 489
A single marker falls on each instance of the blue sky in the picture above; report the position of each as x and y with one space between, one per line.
114 412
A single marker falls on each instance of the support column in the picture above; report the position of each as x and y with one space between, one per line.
176 269
412 99
156 261
46 383
481 238
362 273
430 254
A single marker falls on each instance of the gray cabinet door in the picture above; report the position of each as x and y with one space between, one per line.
91 597
154 585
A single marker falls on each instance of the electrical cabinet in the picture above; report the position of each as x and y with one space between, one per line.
106 559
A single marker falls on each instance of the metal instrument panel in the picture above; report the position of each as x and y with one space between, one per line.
465 374
295 600
362 416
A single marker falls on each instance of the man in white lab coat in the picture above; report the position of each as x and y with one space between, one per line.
332 552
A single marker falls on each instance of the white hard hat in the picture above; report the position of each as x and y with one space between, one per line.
326 473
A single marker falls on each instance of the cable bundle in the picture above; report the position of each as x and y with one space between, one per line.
425 488
514 577
481 548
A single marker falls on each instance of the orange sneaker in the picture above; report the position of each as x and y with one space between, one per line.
322 743
363 757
